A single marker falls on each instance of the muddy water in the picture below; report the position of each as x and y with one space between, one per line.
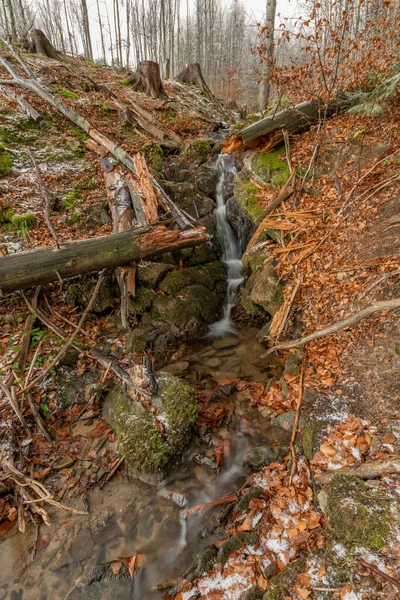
128 516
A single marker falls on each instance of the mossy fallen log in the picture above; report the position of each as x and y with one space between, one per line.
25 269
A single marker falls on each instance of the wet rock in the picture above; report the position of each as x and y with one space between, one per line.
207 462
264 333
293 362
203 563
150 274
147 453
242 226
226 342
102 582
262 456
247 539
71 387
207 276
262 292
177 368
356 518
201 255
164 343
189 198
138 339
205 179
214 362
286 420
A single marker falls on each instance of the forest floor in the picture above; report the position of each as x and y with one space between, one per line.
342 255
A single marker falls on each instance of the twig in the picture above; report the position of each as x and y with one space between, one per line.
377 571
60 316
367 470
314 155
296 423
23 353
14 405
47 205
70 340
28 376
358 316
287 150
380 280
201 507
113 471
283 316
37 418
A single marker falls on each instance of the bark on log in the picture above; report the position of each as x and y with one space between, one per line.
36 42
147 78
268 131
25 269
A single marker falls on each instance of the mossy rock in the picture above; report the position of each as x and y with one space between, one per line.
293 362
202 254
137 340
189 198
312 436
154 156
262 292
139 440
356 518
244 502
72 388
198 149
152 273
285 580
205 178
262 456
21 224
253 593
207 303
203 562
80 293
271 168
183 314
246 195
206 275
143 300
246 539
254 260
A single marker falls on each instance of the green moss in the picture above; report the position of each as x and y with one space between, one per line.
246 194
181 410
356 517
176 281
6 162
272 168
198 149
125 82
154 156
143 300
79 134
75 218
67 93
103 106
312 435
71 199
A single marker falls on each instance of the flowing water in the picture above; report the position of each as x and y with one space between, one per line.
231 250
128 516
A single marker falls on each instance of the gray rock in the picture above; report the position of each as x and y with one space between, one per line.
262 456
243 227
214 362
286 420
152 273
71 387
226 342
246 539
293 362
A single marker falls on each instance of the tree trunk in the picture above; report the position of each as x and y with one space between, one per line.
147 78
38 43
192 75
265 86
86 28
268 131
31 268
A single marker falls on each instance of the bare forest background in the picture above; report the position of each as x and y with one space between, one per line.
316 49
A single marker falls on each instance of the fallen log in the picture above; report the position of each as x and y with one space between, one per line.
35 267
268 131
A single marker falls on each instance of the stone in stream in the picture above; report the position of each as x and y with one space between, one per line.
226 342
286 420
208 463
262 456
214 362
147 453
177 368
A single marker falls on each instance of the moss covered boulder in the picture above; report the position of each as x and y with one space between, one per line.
150 274
189 198
79 293
356 518
146 451
246 195
268 169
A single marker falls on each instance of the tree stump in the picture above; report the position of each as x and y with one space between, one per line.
147 79
36 42
192 75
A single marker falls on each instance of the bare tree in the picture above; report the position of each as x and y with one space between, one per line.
269 30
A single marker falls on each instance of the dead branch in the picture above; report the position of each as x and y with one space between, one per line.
367 470
296 423
378 281
377 571
46 198
37 418
22 103
69 343
26 340
201 507
13 403
358 316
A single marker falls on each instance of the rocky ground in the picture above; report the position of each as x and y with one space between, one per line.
330 249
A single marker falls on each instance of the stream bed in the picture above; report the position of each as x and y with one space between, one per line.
128 516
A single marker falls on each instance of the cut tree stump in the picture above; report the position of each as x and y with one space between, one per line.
269 131
37 42
26 269
192 75
147 79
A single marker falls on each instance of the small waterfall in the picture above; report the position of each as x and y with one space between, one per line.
231 254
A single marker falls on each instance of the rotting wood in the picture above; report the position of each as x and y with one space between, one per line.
22 103
147 78
108 145
358 316
25 269
268 131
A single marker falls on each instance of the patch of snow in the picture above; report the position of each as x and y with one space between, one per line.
352 596
339 550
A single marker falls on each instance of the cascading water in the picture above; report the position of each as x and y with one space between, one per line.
232 253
